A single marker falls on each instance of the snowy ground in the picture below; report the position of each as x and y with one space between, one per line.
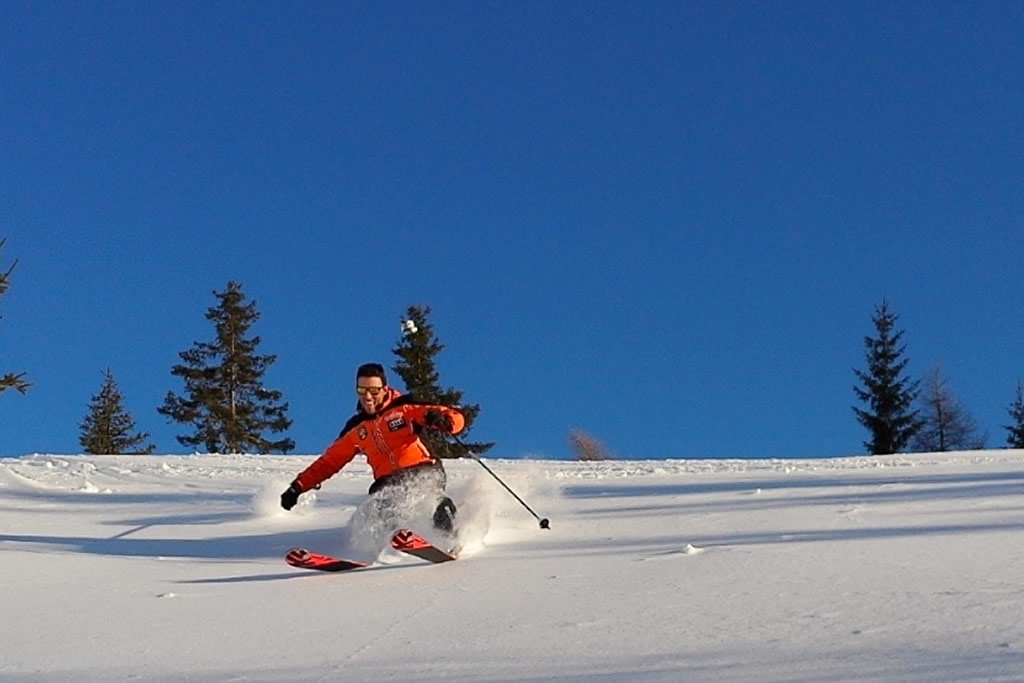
170 568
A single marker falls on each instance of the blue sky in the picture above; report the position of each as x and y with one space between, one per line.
664 223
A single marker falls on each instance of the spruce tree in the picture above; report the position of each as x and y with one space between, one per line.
416 351
225 401
945 425
109 428
10 380
1015 439
888 393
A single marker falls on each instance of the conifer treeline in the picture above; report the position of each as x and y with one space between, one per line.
899 413
229 410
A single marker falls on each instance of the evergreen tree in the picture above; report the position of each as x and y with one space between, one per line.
416 351
888 393
10 380
225 401
1016 429
109 428
945 424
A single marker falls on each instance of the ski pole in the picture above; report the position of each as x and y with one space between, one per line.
544 523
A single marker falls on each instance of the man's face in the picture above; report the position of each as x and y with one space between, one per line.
371 393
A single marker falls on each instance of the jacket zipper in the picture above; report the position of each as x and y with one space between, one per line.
383 446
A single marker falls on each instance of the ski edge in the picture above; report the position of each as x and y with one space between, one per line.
411 543
403 540
304 558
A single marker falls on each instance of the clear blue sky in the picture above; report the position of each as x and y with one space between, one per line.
665 223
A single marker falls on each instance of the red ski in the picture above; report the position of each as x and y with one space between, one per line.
307 559
404 540
412 543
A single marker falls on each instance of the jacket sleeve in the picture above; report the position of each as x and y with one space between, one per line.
337 455
418 414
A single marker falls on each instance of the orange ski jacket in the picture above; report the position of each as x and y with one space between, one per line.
389 438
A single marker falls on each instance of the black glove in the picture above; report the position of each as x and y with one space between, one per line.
291 496
435 419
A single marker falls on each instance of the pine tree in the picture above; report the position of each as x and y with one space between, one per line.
109 428
945 424
416 351
10 380
1016 429
225 401
888 393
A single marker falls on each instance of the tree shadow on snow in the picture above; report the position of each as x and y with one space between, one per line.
242 547
896 492
785 481
102 498
198 518
651 545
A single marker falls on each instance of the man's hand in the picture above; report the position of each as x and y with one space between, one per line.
435 419
291 496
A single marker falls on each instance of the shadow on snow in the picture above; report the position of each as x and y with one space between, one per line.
242 547
649 545
790 481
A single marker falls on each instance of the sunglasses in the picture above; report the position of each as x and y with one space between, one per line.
372 391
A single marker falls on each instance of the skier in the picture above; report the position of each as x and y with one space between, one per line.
386 430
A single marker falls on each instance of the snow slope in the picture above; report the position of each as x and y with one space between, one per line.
169 568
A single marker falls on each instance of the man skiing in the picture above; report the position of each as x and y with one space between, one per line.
386 430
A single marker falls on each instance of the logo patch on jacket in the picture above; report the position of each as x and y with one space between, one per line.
362 432
395 423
